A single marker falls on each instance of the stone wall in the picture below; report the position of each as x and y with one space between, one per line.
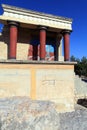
52 82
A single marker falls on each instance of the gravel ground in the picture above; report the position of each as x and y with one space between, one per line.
76 120
21 113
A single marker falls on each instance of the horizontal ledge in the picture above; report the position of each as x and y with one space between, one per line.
12 61
18 10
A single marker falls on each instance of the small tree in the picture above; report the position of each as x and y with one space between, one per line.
72 58
81 66
84 66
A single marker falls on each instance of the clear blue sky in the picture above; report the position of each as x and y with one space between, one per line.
75 9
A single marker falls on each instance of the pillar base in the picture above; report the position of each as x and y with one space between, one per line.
12 58
42 58
67 59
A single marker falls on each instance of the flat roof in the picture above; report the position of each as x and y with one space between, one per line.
32 19
35 12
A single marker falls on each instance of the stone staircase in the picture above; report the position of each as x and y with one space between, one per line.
80 88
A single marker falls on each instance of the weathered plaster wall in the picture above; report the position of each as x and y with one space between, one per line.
39 81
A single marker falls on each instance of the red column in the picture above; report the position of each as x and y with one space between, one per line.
13 40
66 35
30 52
42 43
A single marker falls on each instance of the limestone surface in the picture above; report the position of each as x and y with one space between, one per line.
22 113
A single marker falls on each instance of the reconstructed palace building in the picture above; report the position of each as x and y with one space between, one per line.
31 58
23 28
